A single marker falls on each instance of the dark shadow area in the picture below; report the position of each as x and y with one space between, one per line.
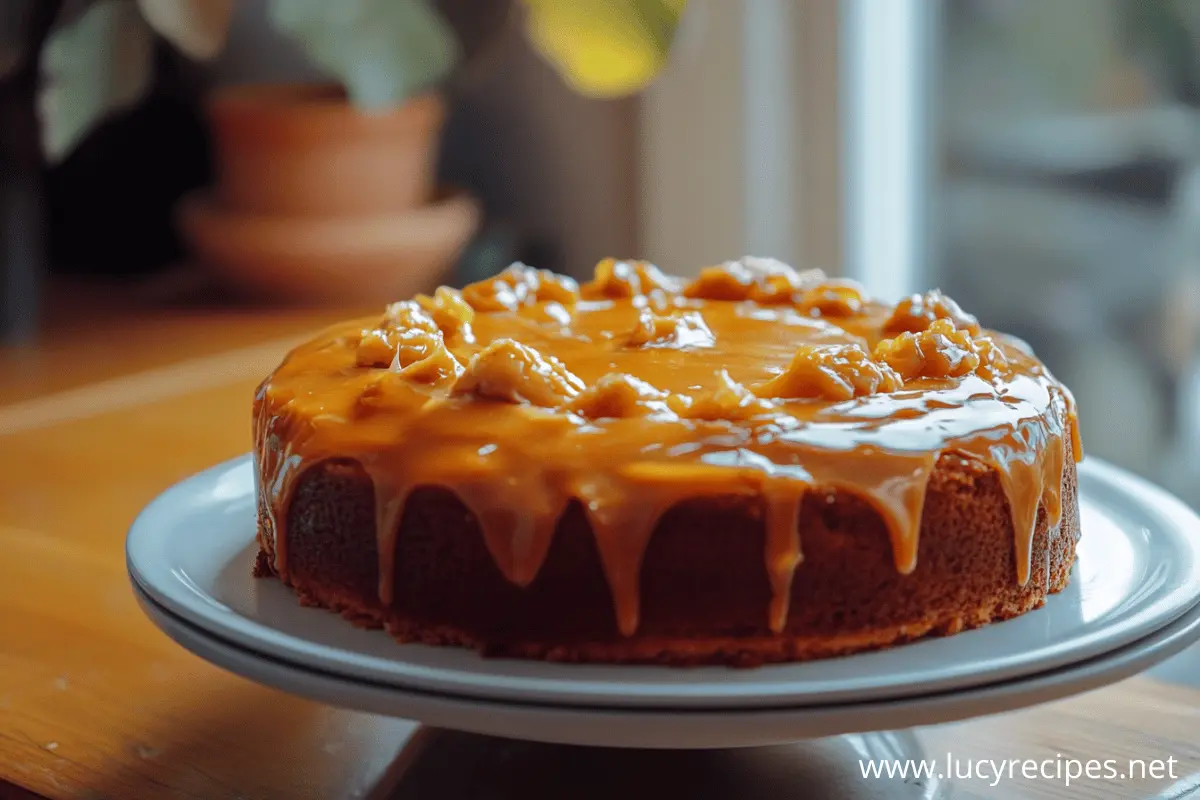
463 766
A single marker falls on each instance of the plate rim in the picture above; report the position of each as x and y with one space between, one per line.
260 637
643 727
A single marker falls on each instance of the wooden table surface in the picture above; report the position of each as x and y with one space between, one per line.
113 406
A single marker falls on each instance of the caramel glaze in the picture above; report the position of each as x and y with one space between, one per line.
637 391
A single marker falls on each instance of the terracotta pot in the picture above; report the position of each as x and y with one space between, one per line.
295 150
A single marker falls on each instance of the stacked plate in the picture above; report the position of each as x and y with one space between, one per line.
1133 601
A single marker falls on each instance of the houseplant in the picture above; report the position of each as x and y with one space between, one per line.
98 58
387 59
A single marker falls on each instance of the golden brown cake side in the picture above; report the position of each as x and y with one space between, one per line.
758 465
704 584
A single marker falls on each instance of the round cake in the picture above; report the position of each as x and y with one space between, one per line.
755 465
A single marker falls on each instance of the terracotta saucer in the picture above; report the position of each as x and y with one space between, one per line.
324 260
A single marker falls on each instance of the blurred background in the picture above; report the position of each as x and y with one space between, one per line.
1039 160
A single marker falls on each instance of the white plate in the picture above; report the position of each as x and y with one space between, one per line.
697 728
192 548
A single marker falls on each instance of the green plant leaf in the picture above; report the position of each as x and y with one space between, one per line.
97 64
14 28
197 27
604 48
383 51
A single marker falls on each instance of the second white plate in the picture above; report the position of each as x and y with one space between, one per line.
192 548
692 728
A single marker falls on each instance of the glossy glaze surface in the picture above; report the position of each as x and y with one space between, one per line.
639 390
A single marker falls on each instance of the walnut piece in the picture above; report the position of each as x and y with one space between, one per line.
407 314
521 285
993 363
390 390
679 330
917 312
832 372
763 280
833 298
725 282
407 333
510 371
439 367
376 348
395 348
450 311
940 351
730 400
618 396
506 291
615 279
778 288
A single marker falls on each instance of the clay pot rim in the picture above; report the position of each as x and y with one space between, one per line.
313 101
448 200
207 200
369 259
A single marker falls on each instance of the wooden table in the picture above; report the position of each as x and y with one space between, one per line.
115 405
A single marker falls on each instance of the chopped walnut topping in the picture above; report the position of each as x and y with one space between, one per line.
521 285
902 354
516 373
406 334
615 279
395 348
831 371
802 278
376 348
763 280
450 311
555 288
992 361
833 298
940 351
507 291
681 330
438 368
413 346
407 315
777 289
617 396
726 282
730 400
917 312
776 282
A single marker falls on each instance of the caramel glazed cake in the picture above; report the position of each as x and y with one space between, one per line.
758 465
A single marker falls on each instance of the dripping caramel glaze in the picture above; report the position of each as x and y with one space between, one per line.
639 390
